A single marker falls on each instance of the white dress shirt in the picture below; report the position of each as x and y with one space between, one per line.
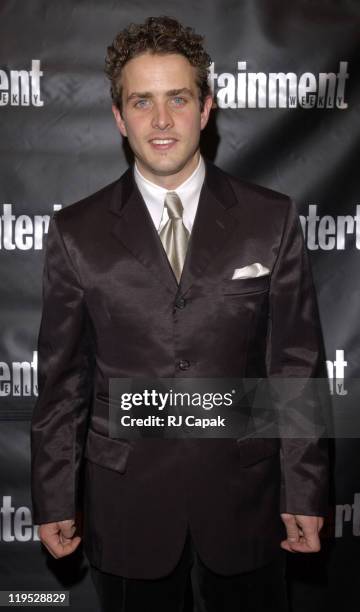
188 192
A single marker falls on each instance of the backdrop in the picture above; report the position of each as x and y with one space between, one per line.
286 80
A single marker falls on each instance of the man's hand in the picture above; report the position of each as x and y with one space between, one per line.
59 537
302 533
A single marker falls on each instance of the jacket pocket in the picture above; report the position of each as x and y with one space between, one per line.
253 450
245 285
107 452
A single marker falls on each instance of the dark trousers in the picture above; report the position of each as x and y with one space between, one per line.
261 590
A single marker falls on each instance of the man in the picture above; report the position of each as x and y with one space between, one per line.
139 282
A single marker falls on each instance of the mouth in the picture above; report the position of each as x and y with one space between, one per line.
162 144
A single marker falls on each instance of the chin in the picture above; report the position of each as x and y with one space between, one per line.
168 167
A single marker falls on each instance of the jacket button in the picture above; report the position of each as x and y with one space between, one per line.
184 364
180 302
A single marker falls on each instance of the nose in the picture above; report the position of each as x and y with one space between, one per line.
162 118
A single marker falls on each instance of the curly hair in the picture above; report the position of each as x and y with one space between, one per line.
160 35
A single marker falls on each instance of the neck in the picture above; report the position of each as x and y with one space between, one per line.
170 181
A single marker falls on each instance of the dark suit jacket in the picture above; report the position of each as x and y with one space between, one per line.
112 308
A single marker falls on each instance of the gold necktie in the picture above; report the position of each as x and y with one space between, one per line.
174 234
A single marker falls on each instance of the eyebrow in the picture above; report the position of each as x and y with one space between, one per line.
171 92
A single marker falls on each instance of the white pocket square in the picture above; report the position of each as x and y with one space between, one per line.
251 271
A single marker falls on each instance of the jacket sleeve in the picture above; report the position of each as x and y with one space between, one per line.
59 421
295 350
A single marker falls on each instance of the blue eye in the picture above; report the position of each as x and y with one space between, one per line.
178 100
141 103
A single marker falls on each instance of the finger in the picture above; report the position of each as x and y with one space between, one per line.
65 541
67 528
55 542
59 550
286 546
310 530
66 538
303 545
70 546
292 530
312 540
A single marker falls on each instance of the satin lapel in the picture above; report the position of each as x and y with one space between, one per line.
135 229
212 227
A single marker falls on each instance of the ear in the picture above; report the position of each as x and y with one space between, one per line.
205 113
119 121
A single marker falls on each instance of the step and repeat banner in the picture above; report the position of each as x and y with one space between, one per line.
286 81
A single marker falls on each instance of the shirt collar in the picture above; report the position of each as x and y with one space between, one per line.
188 192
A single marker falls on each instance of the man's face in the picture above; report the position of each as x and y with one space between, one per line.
161 116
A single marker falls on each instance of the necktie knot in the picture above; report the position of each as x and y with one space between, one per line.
174 205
